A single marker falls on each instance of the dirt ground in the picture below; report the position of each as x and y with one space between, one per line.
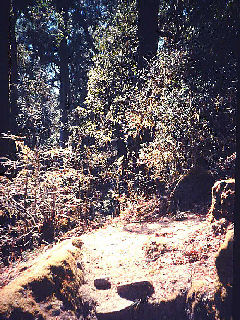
168 254
149 265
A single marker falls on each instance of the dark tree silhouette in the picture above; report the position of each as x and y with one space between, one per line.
13 68
65 95
7 147
147 29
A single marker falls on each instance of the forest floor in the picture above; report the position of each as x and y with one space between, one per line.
160 256
163 257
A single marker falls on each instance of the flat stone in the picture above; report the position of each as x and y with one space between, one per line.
102 283
135 290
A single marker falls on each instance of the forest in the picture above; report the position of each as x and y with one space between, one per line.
111 105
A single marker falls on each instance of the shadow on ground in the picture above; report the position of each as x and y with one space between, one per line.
144 310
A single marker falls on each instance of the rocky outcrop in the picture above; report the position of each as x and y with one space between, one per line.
204 302
224 265
193 188
46 287
224 260
199 303
216 302
223 194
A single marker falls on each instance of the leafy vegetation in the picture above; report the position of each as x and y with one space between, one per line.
99 125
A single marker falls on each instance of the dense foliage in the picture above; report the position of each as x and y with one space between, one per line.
100 126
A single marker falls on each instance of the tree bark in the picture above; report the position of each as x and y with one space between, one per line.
65 96
4 71
7 146
147 29
13 68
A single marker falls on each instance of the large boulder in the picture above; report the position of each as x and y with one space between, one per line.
192 189
215 302
223 194
224 260
224 265
46 287
199 303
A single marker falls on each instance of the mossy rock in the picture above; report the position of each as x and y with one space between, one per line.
224 260
53 275
200 305
192 189
223 194
210 303
205 302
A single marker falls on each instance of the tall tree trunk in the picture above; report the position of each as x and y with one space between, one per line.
7 146
65 97
4 71
13 71
147 29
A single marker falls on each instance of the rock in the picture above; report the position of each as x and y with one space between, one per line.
52 276
136 290
199 303
193 188
102 283
204 302
224 260
77 242
223 194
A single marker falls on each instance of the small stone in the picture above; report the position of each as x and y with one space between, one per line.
102 283
135 290
77 242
